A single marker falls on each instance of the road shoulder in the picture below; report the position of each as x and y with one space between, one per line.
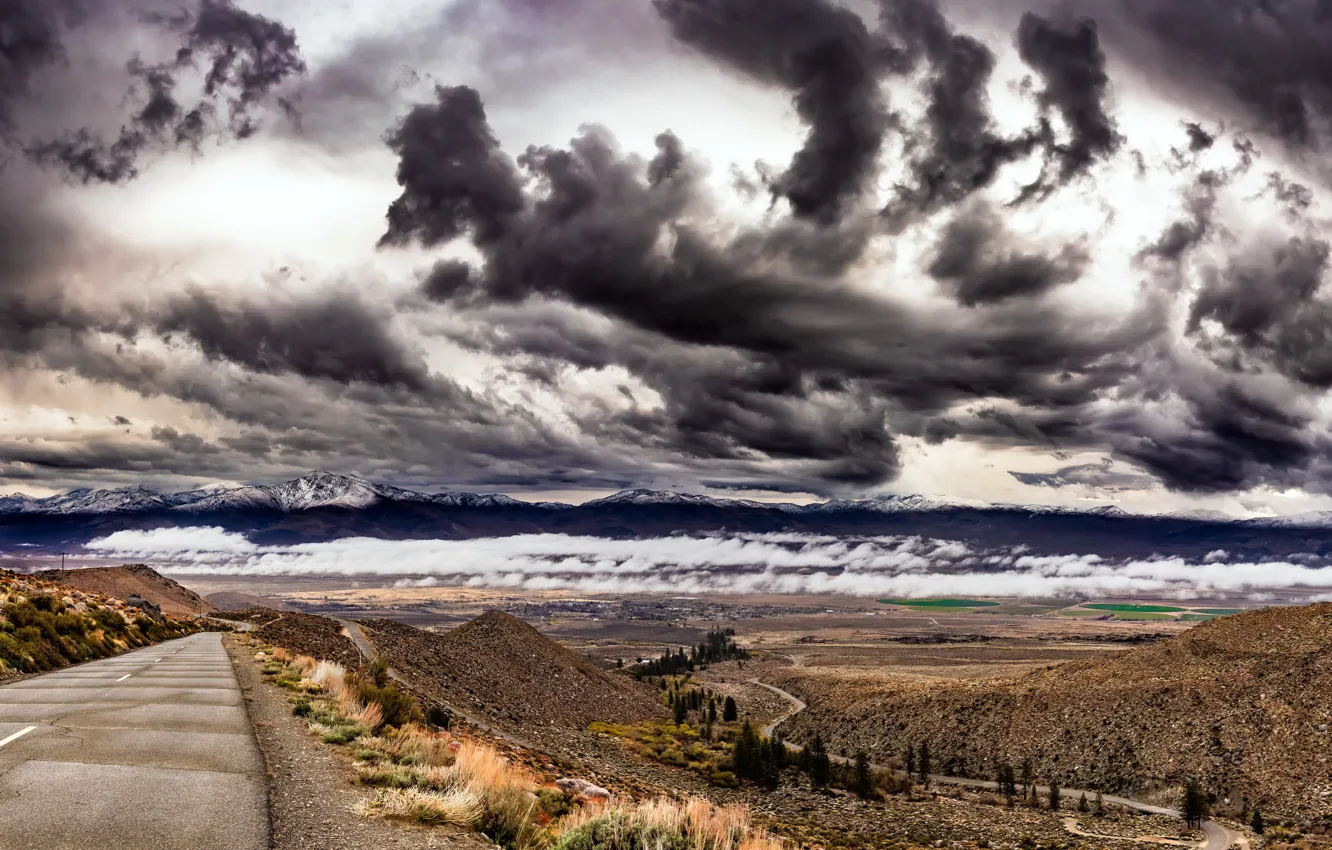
311 791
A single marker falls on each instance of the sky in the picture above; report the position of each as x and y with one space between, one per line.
1018 251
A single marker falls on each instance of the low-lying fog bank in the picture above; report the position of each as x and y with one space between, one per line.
746 563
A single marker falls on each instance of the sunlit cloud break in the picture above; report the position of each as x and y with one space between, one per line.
734 564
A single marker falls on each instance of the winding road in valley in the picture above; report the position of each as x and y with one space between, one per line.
1218 837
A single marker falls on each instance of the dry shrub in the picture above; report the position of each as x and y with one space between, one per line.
414 745
482 767
662 823
282 655
331 677
458 806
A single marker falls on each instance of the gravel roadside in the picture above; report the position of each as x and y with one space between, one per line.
310 791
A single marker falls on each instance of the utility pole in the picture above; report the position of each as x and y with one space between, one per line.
62 559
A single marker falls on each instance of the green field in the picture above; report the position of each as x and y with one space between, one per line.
1142 615
1218 612
1120 607
940 604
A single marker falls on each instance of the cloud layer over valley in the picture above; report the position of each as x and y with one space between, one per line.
902 566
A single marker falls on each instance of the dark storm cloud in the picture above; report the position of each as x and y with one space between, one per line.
332 338
1272 57
454 176
243 58
826 57
1067 55
974 260
592 234
30 40
1234 435
1263 291
962 152
1097 475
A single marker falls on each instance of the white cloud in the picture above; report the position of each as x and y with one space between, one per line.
748 563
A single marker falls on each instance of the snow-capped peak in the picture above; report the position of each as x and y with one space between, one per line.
663 497
323 489
1309 519
85 501
895 504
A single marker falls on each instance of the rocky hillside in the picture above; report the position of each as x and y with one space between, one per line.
123 582
500 667
319 637
44 626
1243 704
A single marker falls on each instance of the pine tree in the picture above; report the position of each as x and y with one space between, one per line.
862 782
729 711
1082 803
820 766
748 753
1054 795
712 711
1028 778
1257 824
911 760
923 760
770 771
1195 807
1099 810
681 712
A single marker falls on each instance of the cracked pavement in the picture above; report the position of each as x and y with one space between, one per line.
151 749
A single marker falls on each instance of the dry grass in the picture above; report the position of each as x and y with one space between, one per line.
459 806
662 822
435 778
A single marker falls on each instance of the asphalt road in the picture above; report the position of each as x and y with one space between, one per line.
151 750
1218 836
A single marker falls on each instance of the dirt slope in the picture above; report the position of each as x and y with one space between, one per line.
123 582
500 667
319 637
1242 703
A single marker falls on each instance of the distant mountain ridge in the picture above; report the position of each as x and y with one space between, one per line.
322 506
325 489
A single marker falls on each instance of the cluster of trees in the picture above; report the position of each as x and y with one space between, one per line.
759 759
699 707
719 645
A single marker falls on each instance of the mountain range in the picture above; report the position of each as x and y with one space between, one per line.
323 506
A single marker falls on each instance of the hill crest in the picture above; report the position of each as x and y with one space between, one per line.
127 580
501 667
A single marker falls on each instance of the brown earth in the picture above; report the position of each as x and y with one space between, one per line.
308 634
1242 704
502 668
125 581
